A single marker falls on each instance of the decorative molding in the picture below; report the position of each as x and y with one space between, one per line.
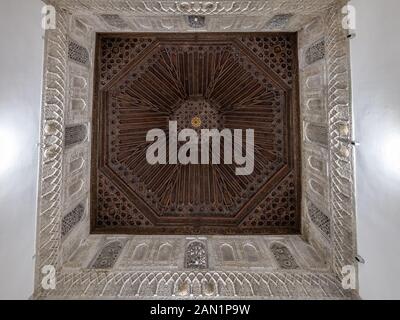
315 153
341 163
79 93
171 285
169 7
52 141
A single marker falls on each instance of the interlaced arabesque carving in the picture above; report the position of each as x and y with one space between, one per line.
78 53
170 7
341 158
75 134
71 219
320 219
283 256
196 256
316 52
108 256
223 84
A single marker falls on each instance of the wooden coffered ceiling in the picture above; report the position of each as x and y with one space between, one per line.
238 81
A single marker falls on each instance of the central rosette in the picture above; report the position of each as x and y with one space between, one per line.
197 114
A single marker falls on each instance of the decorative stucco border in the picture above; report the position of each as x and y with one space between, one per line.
300 284
342 206
182 7
52 146
199 285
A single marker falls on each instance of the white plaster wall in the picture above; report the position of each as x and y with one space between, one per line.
21 64
376 96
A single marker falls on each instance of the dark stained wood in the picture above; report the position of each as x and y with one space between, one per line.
235 81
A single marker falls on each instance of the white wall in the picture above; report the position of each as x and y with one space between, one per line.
21 65
376 96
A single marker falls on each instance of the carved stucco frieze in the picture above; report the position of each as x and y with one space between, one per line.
172 16
212 284
342 207
52 143
181 7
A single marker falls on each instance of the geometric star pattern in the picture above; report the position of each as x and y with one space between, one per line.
222 81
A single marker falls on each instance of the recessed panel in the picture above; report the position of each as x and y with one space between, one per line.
228 84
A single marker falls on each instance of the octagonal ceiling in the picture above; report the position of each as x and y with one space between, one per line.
174 16
213 81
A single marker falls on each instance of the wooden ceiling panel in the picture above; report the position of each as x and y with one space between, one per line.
202 81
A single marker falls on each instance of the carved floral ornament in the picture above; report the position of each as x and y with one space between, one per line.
168 7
